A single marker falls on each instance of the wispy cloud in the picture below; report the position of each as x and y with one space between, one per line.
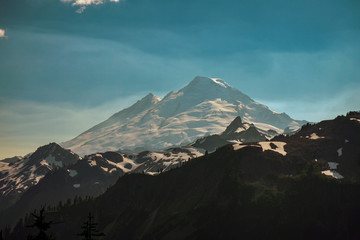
84 3
81 10
2 33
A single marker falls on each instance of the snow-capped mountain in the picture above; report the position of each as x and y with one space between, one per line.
18 174
204 107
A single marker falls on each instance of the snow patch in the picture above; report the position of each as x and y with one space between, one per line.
339 151
240 129
240 146
279 147
152 173
76 185
122 164
51 160
72 173
38 178
333 165
332 173
314 136
236 141
355 119
346 141
44 163
220 82
92 163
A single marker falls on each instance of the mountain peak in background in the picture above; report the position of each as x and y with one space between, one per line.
206 81
17 176
204 107
234 125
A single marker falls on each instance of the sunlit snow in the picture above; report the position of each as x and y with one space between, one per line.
44 163
332 173
314 136
92 163
279 147
104 169
355 119
205 106
240 146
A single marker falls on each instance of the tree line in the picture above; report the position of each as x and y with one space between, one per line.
41 228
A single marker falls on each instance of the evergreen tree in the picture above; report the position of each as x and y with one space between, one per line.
42 225
75 200
6 232
68 202
60 205
19 230
89 230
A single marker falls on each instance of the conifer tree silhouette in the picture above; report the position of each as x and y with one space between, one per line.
89 229
42 225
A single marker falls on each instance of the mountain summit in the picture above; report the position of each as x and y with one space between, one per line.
205 106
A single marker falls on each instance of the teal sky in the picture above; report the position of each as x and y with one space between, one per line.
66 65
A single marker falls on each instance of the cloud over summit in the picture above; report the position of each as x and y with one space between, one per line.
84 3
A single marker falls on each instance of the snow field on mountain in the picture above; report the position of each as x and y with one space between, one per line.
169 159
18 175
205 106
121 165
